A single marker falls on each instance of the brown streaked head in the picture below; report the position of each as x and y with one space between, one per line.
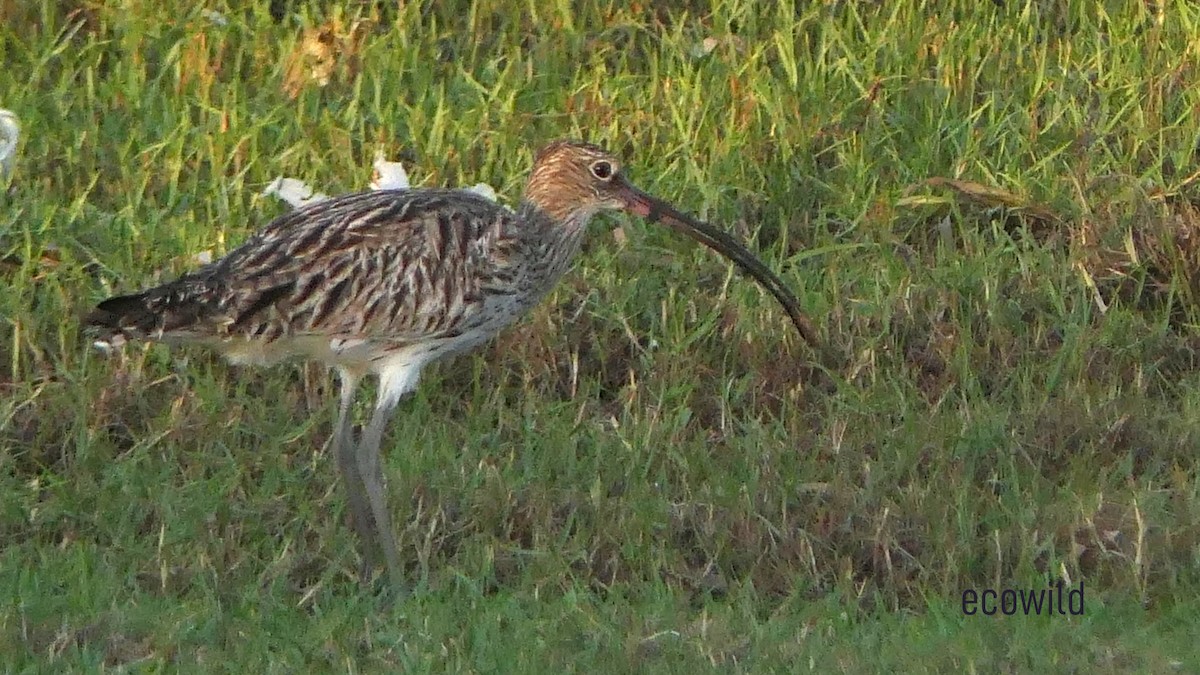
571 181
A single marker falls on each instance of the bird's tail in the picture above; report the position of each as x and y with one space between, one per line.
121 319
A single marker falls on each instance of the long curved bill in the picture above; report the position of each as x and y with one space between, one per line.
657 211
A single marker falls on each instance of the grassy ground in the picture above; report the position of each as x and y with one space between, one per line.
992 212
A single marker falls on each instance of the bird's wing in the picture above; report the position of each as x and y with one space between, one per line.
401 264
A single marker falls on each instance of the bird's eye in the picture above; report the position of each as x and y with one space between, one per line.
602 170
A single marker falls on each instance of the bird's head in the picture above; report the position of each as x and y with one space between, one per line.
571 181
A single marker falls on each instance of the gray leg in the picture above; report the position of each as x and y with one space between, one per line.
356 491
372 476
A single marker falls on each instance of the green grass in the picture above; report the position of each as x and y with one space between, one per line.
641 475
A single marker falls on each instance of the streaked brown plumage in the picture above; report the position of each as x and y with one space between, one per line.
384 282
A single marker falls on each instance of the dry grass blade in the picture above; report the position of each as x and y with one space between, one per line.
987 196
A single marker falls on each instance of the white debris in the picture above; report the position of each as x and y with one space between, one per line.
10 134
389 175
392 176
294 191
483 190
216 17
110 345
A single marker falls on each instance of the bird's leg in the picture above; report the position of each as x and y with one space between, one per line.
372 476
356 492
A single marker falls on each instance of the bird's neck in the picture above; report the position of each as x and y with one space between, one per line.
546 222
550 244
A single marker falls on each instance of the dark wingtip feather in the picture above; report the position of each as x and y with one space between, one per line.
117 319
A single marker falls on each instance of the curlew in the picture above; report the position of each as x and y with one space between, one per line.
382 283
